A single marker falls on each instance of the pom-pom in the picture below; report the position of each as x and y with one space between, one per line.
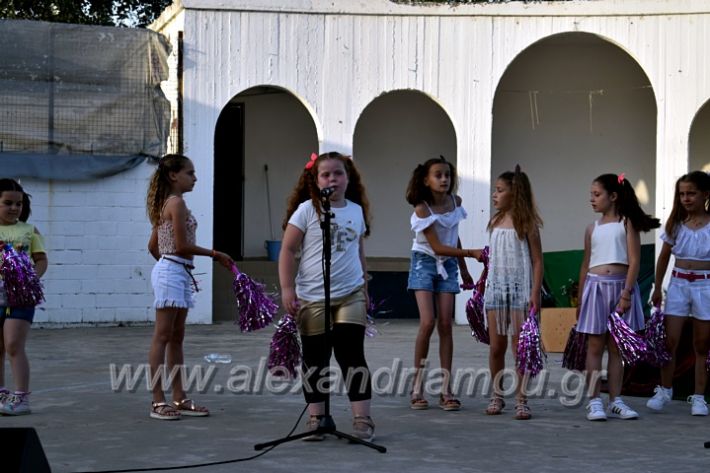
256 307
656 341
285 348
474 306
372 309
707 362
575 355
22 284
530 357
630 344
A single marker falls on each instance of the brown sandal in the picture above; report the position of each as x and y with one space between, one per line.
522 411
189 408
495 406
163 411
418 403
449 402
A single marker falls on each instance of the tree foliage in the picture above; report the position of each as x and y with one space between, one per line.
95 12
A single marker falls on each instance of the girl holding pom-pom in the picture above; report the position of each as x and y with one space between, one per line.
172 244
607 281
437 258
15 322
514 282
331 178
687 238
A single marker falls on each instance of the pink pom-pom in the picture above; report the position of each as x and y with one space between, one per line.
22 284
285 348
630 344
530 357
656 340
474 306
575 355
256 307
372 310
707 362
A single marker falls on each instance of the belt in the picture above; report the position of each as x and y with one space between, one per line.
188 268
690 276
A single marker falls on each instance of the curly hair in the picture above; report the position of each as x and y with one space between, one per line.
307 189
523 209
418 192
159 187
14 186
701 180
627 204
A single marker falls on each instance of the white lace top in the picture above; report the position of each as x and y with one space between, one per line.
690 244
509 275
446 226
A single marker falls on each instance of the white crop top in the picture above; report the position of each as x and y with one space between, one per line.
608 244
446 226
690 244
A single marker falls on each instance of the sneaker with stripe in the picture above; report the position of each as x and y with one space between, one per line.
620 410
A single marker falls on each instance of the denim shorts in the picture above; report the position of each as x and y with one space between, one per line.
424 277
172 283
20 313
689 298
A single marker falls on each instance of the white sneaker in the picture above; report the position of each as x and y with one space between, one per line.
596 409
621 410
4 394
699 406
16 404
662 397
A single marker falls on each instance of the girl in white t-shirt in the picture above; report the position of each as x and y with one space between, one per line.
330 176
437 257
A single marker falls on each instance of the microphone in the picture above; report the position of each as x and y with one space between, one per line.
326 191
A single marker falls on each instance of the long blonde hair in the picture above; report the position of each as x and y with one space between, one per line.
160 186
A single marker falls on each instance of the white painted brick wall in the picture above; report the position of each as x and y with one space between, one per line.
96 233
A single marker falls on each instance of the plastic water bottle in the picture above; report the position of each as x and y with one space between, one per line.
218 358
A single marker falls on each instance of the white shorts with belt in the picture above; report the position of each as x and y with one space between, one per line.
689 294
173 283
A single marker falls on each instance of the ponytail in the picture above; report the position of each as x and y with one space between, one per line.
627 204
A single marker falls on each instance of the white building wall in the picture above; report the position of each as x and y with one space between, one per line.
337 57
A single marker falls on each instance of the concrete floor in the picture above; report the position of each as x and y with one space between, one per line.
85 425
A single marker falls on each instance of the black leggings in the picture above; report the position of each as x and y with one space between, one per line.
347 341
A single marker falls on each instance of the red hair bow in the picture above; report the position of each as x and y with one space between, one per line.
310 163
620 178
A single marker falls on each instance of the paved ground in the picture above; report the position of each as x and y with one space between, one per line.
84 425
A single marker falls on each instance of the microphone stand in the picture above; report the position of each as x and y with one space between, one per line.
326 424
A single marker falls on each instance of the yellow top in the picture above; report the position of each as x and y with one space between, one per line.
23 237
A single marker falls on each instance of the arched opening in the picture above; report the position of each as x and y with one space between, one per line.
699 142
394 133
569 108
263 137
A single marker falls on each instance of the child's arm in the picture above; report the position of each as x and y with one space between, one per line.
463 269
363 262
39 258
290 244
661 268
153 244
537 268
584 268
177 211
433 239
633 249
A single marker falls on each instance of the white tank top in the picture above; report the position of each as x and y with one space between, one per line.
608 244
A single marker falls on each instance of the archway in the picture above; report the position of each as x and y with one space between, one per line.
567 109
263 137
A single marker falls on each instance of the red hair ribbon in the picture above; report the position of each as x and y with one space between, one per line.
620 178
310 163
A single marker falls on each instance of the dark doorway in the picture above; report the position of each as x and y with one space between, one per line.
229 181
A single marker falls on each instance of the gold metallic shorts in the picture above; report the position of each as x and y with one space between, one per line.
349 309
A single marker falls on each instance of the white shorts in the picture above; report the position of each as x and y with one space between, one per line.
172 283
689 298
